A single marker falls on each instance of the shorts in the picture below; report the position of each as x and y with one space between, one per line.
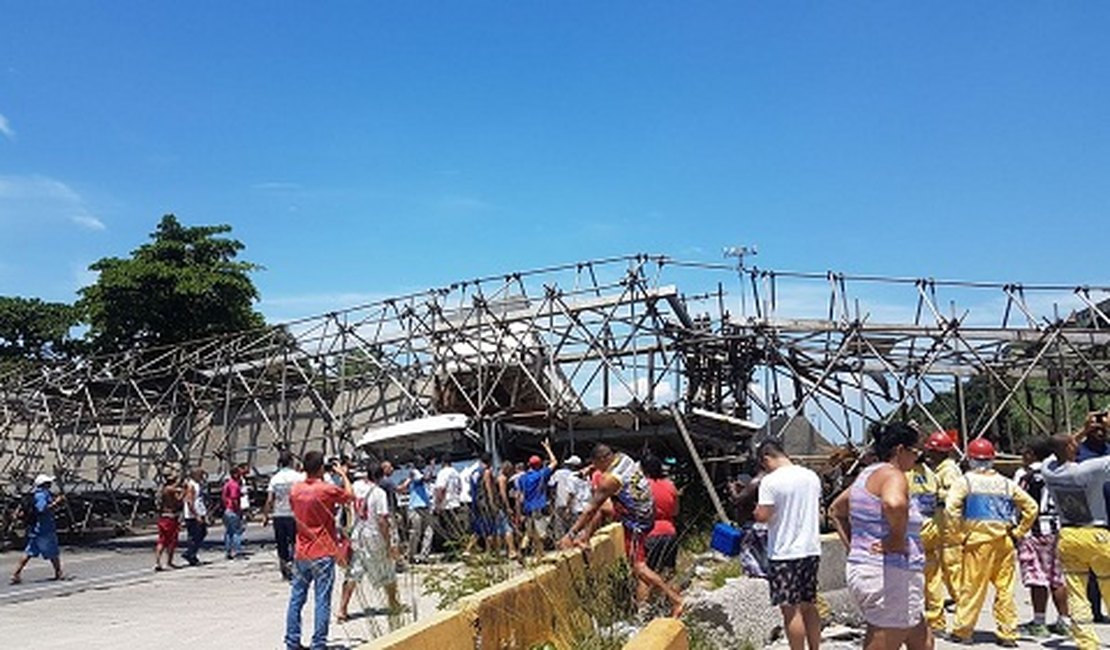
168 528
489 525
537 523
1039 562
662 551
753 552
888 596
794 581
634 548
44 545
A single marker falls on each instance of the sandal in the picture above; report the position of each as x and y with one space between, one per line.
15 580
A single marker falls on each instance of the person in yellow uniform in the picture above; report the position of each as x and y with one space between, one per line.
981 509
923 491
940 452
1084 541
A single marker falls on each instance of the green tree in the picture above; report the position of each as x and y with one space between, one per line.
34 331
185 284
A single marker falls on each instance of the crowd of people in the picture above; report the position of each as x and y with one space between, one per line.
924 537
372 521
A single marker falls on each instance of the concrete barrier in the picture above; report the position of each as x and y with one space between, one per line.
660 634
543 605
830 573
447 630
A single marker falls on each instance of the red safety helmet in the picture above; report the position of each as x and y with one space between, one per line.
980 449
939 441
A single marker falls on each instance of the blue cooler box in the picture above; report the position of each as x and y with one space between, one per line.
726 539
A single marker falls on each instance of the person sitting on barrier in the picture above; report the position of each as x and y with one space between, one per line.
623 483
880 525
1084 540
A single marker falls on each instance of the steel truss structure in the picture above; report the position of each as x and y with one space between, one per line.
579 352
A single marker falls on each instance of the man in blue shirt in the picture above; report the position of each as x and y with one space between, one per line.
421 517
1094 446
42 537
533 498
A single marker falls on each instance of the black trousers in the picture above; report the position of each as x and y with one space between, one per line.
196 530
285 536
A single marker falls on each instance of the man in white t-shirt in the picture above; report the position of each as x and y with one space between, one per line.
563 482
448 501
789 503
278 511
195 514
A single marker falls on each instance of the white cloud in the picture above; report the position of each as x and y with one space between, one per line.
37 199
6 128
88 221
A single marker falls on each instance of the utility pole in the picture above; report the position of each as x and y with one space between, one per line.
739 252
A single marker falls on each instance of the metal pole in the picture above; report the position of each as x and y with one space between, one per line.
681 424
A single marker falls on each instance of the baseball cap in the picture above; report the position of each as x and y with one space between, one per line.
43 479
535 461
573 460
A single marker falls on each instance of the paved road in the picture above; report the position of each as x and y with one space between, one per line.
112 598
108 563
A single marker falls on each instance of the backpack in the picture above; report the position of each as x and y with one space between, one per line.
29 515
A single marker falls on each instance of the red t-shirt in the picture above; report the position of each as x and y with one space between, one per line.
314 502
231 493
666 506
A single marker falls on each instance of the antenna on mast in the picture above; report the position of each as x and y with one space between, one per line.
739 252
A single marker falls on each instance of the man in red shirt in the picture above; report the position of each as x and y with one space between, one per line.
661 543
233 514
314 503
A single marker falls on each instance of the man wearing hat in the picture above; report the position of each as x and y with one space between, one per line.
563 482
42 537
982 510
533 501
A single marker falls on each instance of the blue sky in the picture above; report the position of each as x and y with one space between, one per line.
361 149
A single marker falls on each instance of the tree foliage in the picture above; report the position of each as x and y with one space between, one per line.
1037 406
33 331
185 284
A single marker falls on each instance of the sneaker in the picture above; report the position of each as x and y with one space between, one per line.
959 640
1035 630
1059 629
1008 643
